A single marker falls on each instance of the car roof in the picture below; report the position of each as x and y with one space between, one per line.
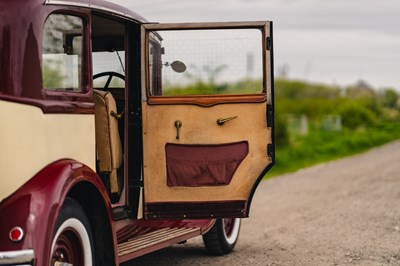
99 5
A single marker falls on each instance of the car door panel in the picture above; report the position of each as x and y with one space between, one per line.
239 146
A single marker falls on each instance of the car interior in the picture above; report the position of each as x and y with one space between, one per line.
108 61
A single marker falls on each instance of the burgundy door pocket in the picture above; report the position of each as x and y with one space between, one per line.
203 165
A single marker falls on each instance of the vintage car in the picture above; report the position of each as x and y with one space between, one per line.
120 137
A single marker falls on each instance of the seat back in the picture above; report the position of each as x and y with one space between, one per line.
108 141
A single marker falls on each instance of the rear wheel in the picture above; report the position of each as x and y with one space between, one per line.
222 237
72 243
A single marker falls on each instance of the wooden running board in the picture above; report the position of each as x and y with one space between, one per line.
155 240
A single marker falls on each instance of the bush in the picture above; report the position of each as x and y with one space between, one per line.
355 115
281 131
389 98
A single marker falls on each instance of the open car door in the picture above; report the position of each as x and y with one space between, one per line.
207 111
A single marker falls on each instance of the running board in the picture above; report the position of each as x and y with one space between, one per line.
155 240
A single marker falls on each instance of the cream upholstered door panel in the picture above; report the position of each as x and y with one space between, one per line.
199 127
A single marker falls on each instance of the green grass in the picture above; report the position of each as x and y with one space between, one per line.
319 146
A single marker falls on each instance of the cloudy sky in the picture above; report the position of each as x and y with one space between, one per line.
330 41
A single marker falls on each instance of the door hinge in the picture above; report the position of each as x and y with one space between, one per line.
268 43
270 115
270 150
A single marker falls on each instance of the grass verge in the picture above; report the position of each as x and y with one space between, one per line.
319 146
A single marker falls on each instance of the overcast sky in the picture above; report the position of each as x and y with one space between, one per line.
330 41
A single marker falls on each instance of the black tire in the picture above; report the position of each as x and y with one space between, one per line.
73 241
223 236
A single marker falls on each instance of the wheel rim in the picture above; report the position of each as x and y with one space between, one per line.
71 245
231 228
68 248
228 226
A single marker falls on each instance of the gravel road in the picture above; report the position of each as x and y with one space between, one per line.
345 212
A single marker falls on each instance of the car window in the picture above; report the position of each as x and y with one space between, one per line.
62 46
199 62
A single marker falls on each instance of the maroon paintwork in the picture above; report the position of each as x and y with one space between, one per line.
21 27
34 207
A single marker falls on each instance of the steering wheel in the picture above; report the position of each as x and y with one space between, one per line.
110 75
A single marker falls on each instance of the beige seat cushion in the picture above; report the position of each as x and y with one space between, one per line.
108 141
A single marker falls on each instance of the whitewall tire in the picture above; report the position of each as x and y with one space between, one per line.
72 243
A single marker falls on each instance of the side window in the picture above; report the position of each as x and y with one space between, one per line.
62 48
205 62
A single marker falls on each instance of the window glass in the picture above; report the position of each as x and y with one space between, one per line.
105 66
198 62
62 53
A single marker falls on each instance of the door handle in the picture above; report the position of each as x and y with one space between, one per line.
178 125
222 121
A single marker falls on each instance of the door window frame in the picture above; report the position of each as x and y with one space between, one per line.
85 92
208 99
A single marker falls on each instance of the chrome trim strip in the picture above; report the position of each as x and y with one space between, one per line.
17 257
79 4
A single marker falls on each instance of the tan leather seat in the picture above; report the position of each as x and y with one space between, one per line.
108 141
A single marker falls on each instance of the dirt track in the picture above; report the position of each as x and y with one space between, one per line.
346 212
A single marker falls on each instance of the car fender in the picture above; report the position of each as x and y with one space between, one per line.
35 206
